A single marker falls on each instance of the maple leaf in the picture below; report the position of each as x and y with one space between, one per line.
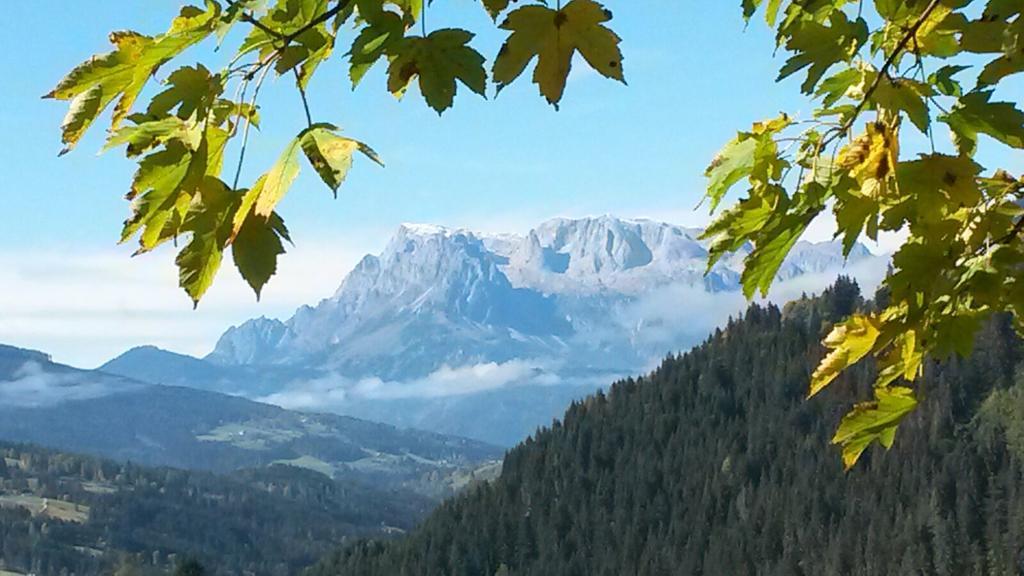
330 154
122 74
975 114
849 341
438 60
553 37
871 421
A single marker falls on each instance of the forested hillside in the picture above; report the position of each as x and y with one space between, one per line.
715 464
78 515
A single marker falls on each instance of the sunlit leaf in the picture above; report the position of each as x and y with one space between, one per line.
849 343
330 154
975 114
278 180
873 421
122 74
438 61
553 37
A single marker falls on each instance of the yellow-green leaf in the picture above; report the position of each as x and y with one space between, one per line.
209 223
382 32
733 163
873 421
850 341
124 72
438 61
256 247
975 114
278 180
330 154
553 36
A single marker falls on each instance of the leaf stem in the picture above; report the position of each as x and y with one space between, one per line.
248 124
302 94
263 68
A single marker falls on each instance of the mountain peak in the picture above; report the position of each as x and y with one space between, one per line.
249 342
423 229
13 353
438 297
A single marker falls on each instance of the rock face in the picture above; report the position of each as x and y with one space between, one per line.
433 297
446 314
250 342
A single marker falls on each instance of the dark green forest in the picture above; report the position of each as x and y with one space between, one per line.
64 514
715 464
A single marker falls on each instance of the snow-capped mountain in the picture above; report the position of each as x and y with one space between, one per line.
444 318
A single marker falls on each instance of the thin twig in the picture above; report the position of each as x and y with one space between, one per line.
289 38
883 72
263 68
248 124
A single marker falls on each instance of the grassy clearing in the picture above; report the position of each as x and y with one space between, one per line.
252 435
48 507
99 488
311 463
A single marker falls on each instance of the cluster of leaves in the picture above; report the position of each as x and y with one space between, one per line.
963 257
180 138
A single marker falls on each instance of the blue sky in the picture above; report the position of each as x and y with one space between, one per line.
695 76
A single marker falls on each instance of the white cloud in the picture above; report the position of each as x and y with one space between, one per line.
670 318
334 391
31 386
86 306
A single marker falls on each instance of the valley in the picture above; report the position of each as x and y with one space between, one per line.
95 413
62 513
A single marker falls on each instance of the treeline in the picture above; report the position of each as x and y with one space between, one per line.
64 514
715 464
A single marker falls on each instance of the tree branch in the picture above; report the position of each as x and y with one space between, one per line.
263 67
1017 228
287 39
883 72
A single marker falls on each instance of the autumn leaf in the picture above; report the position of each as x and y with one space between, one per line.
122 74
382 32
256 247
278 180
438 61
553 37
496 7
850 342
975 114
208 222
873 421
330 154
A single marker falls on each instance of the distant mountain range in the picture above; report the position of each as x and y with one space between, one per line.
97 413
487 336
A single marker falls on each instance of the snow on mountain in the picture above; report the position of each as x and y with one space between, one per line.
450 325
611 255
446 297
434 297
